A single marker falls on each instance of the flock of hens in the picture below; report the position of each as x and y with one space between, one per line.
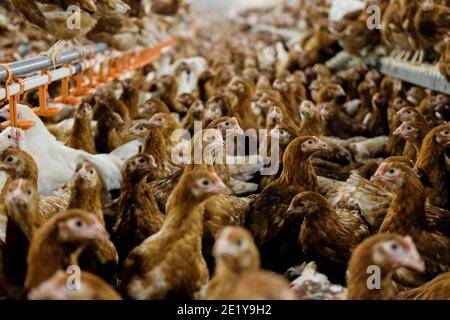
359 204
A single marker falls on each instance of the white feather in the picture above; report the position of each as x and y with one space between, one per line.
56 162
339 8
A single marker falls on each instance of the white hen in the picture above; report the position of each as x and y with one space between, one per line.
188 81
56 162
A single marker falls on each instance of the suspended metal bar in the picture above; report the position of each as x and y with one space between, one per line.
424 75
141 58
39 80
27 66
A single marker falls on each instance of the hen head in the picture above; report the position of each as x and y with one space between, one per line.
16 162
396 175
236 249
112 120
281 85
199 185
215 108
367 87
166 81
139 131
239 87
378 101
139 166
389 252
408 130
274 116
408 114
20 197
400 103
11 137
226 125
391 87
153 106
84 111
308 110
75 227
198 109
442 135
283 134
86 176
163 121
415 95
304 147
185 99
265 102
308 203
321 71
331 92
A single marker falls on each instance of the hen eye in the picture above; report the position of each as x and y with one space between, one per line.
141 160
239 242
29 192
409 128
205 182
91 171
394 246
446 133
310 142
78 223
391 171
10 159
9 136
227 123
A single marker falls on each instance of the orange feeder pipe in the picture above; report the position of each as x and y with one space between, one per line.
65 98
12 99
44 110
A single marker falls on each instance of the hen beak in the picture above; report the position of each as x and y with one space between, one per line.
96 231
412 259
321 146
224 248
379 176
398 114
130 132
397 131
340 93
152 165
233 87
16 198
218 187
83 174
292 209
